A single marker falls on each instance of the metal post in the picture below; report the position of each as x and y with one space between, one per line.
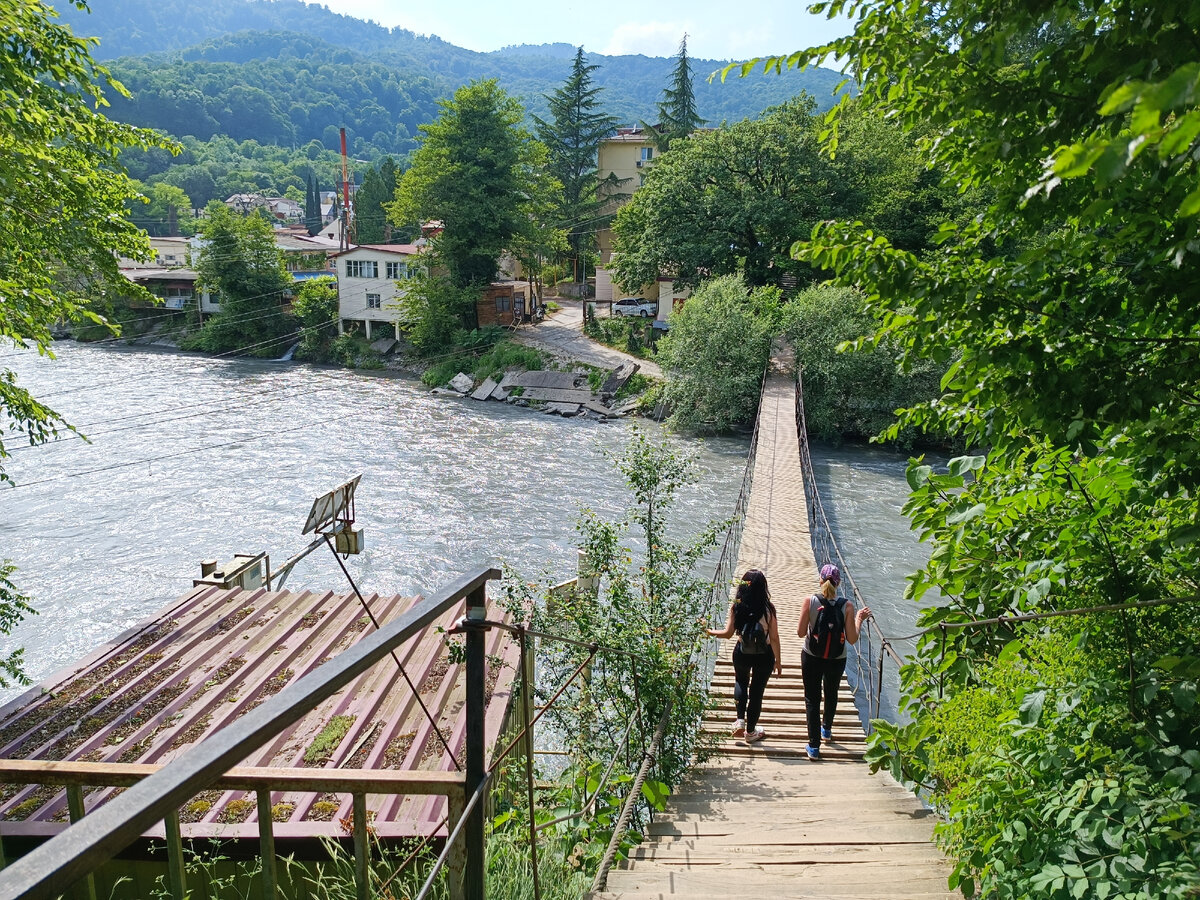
77 810
175 866
525 707
456 861
266 844
476 708
362 849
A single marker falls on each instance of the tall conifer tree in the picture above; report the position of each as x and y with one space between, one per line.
677 113
378 188
573 139
312 207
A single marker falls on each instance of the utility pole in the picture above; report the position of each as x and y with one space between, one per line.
346 235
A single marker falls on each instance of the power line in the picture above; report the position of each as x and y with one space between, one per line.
138 462
66 442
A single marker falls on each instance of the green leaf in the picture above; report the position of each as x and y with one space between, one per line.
959 516
1191 204
1010 652
918 475
1184 535
963 464
1031 707
656 793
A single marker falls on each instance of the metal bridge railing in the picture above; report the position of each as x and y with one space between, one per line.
75 853
873 647
725 574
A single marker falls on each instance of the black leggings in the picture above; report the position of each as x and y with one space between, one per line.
750 672
820 675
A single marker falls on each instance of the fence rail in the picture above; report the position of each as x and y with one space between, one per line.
79 850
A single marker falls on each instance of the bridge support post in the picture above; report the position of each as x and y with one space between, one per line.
476 708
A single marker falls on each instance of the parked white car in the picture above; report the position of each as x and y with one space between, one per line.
635 306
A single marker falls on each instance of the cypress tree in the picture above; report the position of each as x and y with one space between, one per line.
312 207
677 113
573 139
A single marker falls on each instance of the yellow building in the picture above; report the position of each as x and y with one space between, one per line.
624 161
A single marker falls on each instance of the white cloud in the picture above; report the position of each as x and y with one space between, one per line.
648 38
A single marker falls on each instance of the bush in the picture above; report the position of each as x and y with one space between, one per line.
715 354
353 351
498 358
851 390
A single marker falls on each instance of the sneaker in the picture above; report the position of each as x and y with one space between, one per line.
814 753
756 735
739 728
826 733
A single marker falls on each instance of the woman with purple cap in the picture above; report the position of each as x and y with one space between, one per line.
827 624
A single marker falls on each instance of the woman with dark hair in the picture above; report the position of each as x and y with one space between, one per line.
752 618
827 624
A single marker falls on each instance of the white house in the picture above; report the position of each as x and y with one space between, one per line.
370 280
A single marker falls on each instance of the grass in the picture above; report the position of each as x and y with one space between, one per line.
327 740
493 363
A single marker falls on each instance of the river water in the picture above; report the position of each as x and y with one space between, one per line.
193 458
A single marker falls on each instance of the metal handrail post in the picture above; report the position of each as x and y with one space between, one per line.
474 626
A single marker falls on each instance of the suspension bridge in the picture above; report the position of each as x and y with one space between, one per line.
754 819
762 820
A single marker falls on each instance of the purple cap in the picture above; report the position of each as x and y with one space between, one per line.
829 572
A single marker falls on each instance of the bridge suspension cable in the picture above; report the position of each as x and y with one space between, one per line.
868 665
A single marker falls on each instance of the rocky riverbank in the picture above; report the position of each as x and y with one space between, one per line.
566 394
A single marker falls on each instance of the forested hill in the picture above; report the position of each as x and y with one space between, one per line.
282 71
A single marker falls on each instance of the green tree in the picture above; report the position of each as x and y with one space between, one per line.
312 207
167 210
482 175
573 137
652 604
316 306
735 199
715 354
851 394
241 265
433 309
64 197
370 216
678 116
1065 312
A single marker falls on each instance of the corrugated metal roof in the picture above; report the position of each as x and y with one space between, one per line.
206 660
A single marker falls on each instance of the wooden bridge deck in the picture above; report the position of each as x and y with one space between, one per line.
762 820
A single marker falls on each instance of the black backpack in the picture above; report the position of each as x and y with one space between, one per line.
827 632
754 637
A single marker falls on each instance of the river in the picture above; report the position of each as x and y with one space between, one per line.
193 457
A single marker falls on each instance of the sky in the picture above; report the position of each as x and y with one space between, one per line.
715 30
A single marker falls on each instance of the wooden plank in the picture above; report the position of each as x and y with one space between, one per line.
239 778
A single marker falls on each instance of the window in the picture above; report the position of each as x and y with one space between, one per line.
397 270
647 154
503 304
362 268
374 302
175 297
641 180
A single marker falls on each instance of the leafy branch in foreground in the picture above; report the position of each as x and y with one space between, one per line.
651 604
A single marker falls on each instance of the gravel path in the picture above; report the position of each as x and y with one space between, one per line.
562 335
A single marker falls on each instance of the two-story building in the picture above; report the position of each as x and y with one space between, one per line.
370 283
623 161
